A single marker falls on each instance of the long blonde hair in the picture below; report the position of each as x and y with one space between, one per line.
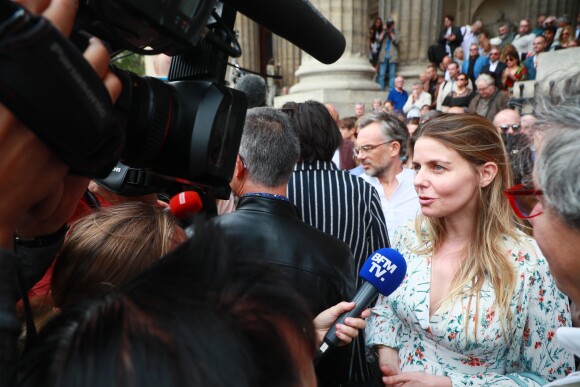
477 141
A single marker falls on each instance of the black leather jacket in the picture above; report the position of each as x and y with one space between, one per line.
319 266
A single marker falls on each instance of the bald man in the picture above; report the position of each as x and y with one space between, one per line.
332 110
507 121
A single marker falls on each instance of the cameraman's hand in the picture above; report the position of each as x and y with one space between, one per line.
61 13
38 195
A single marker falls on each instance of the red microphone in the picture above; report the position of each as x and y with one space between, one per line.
185 204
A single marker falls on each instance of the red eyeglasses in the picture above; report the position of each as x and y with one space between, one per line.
523 200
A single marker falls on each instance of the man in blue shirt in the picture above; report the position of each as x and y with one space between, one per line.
397 95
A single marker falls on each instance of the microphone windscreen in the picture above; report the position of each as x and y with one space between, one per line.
298 22
385 270
254 86
185 204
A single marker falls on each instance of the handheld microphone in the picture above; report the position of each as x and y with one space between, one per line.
185 204
383 272
315 35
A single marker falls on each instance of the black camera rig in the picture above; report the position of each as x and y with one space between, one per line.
187 128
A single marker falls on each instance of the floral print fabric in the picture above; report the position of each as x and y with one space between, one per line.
440 345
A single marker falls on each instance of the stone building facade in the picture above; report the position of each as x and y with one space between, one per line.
350 79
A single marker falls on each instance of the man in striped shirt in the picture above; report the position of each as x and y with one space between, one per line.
339 204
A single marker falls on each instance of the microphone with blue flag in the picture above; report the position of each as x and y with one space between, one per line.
383 272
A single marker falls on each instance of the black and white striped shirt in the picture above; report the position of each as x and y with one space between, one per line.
347 207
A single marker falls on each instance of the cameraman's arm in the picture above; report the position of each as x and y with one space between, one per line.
38 195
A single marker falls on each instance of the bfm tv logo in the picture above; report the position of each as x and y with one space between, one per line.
380 265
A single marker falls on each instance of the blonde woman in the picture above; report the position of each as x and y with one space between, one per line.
567 37
478 304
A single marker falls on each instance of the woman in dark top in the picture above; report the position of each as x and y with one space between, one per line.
461 95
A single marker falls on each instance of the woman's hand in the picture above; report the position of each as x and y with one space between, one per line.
345 332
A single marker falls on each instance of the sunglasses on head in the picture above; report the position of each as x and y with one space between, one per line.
523 200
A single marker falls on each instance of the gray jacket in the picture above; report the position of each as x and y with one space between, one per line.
394 51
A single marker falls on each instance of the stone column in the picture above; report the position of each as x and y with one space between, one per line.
288 55
348 80
418 23
249 41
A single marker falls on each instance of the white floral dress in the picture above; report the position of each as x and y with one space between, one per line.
438 345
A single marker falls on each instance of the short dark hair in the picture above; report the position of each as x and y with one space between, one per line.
349 122
450 17
318 132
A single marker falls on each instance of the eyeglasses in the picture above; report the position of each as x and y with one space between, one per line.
461 79
509 59
515 127
523 200
365 149
494 53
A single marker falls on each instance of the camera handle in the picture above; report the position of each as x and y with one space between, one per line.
48 85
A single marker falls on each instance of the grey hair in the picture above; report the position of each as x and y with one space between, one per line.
558 120
270 147
392 128
485 79
557 106
557 174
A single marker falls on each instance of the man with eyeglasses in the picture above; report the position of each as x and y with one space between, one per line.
489 99
552 202
495 68
474 63
380 147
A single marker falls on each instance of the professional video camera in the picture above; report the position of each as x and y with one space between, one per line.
187 128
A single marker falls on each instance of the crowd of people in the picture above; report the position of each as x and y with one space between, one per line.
481 202
467 52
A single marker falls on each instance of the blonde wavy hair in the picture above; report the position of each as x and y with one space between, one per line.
477 141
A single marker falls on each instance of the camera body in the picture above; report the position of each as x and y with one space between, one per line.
390 23
188 128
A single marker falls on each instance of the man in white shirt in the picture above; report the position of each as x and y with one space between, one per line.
417 99
524 40
470 35
381 143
